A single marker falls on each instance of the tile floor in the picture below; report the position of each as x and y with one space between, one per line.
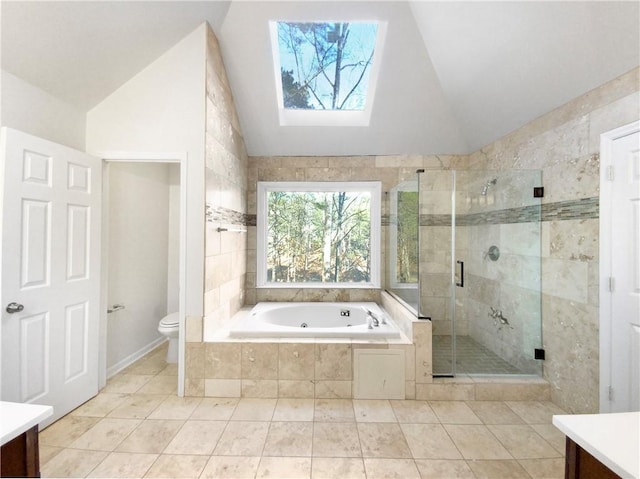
138 427
471 357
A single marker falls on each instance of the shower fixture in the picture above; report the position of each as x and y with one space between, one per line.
489 183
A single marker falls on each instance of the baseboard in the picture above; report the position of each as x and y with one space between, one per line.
132 358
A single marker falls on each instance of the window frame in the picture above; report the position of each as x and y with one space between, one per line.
375 208
407 186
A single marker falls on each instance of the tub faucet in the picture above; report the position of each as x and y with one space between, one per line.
371 319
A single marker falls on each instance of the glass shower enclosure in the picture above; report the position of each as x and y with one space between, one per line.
463 250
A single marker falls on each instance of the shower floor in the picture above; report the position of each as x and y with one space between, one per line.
472 358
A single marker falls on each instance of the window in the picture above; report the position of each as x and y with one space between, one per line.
326 72
318 234
403 236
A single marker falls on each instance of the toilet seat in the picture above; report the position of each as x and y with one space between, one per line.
170 321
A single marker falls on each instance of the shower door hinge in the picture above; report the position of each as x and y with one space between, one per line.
610 172
538 191
611 284
538 354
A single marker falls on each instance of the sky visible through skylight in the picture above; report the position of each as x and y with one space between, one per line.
325 66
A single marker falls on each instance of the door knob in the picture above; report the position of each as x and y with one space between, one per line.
14 308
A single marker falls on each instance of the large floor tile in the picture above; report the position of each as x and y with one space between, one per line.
174 407
391 469
552 435
535 412
231 467
284 468
414 412
151 436
177 466
476 442
215 409
544 468
66 430
126 383
106 435
124 464
254 409
294 410
523 442
337 467
334 410
336 440
369 410
289 439
505 469
138 406
242 438
429 441
494 412
383 440
73 463
101 405
444 469
454 412
196 437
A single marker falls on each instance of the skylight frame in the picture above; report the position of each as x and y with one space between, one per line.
308 117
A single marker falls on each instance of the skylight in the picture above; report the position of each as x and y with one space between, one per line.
326 71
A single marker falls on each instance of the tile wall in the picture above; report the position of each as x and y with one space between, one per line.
565 144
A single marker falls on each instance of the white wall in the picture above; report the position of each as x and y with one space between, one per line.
162 110
138 209
32 110
173 259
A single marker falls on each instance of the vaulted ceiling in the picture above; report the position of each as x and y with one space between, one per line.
454 76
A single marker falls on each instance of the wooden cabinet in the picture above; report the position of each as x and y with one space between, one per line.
579 464
20 457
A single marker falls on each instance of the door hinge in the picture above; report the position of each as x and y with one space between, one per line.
610 393
610 172
611 284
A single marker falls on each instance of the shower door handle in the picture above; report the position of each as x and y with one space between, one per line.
461 283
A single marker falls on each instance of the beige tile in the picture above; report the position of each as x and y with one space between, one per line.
443 469
508 469
391 469
252 409
138 406
196 437
429 441
126 383
242 438
170 370
72 463
370 410
294 410
476 442
445 392
289 439
535 412
383 440
552 435
414 411
47 453
332 439
174 407
333 362
259 388
215 409
334 410
101 405
66 430
223 361
296 361
336 467
106 434
494 412
151 436
507 392
194 387
296 389
230 388
259 361
174 466
284 468
544 468
230 467
124 464
160 385
333 389
523 442
454 412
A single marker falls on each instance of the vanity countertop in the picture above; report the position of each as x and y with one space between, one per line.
613 439
16 418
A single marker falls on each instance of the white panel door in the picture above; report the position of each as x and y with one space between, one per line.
50 258
625 271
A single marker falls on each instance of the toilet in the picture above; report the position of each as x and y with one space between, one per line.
169 326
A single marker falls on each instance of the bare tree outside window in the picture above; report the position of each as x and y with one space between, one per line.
326 65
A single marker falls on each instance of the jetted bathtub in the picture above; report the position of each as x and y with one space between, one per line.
317 320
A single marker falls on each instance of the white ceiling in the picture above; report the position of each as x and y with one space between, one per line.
455 76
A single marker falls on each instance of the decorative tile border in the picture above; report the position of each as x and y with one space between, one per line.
585 208
219 214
